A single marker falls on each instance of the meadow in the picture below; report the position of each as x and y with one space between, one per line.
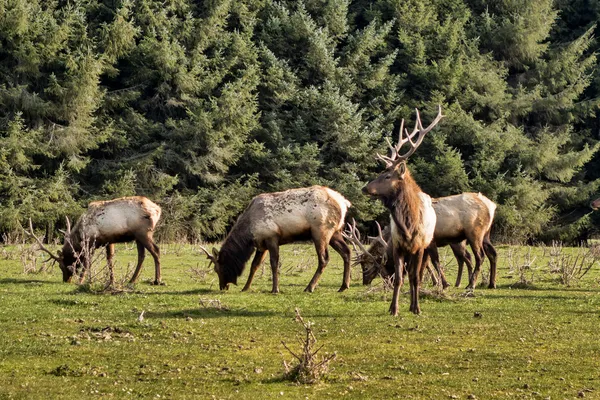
535 336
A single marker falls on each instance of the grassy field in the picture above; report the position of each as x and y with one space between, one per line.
533 337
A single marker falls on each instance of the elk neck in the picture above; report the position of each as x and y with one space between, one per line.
405 207
236 249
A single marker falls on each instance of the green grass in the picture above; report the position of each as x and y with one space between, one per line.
58 341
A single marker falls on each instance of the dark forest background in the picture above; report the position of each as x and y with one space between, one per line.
201 105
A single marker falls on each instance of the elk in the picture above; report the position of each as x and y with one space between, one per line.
275 219
460 218
412 217
104 224
465 216
595 204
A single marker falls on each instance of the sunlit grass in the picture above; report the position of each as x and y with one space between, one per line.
532 340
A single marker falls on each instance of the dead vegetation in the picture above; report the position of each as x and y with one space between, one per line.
571 267
213 304
521 262
310 368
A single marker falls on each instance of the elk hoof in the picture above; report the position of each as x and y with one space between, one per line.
309 289
492 286
394 311
159 283
344 287
416 310
275 291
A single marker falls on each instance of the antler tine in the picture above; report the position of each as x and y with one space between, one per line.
387 160
68 225
40 243
379 237
353 235
206 251
419 132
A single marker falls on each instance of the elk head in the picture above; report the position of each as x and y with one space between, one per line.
214 259
386 185
66 259
595 204
372 260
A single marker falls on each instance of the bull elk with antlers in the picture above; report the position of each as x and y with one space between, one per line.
412 217
104 224
274 219
460 219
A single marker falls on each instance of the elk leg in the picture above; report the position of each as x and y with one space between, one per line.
414 275
85 261
432 251
463 257
426 258
258 259
338 244
141 255
273 249
155 252
110 254
323 256
398 278
491 254
479 254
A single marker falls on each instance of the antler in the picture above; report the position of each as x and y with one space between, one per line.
353 235
210 257
67 233
379 238
41 244
418 131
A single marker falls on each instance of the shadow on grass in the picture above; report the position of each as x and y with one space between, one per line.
209 312
175 292
137 291
69 303
533 287
26 281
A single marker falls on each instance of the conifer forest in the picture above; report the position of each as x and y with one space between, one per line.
202 105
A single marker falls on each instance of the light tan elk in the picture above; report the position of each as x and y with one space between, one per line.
595 204
461 218
274 219
412 217
466 216
104 224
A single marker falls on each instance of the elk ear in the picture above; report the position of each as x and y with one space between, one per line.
215 253
400 169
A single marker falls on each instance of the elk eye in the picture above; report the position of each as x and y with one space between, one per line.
388 176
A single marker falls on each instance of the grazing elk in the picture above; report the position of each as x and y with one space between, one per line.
412 217
106 223
595 204
464 217
377 259
274 219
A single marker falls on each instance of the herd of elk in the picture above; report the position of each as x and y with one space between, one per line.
315 213
418 226
461 218
103 224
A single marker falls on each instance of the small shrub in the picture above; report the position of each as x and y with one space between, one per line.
310 368
573 267
521 262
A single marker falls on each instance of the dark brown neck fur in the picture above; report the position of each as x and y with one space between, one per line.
405 207
236 250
